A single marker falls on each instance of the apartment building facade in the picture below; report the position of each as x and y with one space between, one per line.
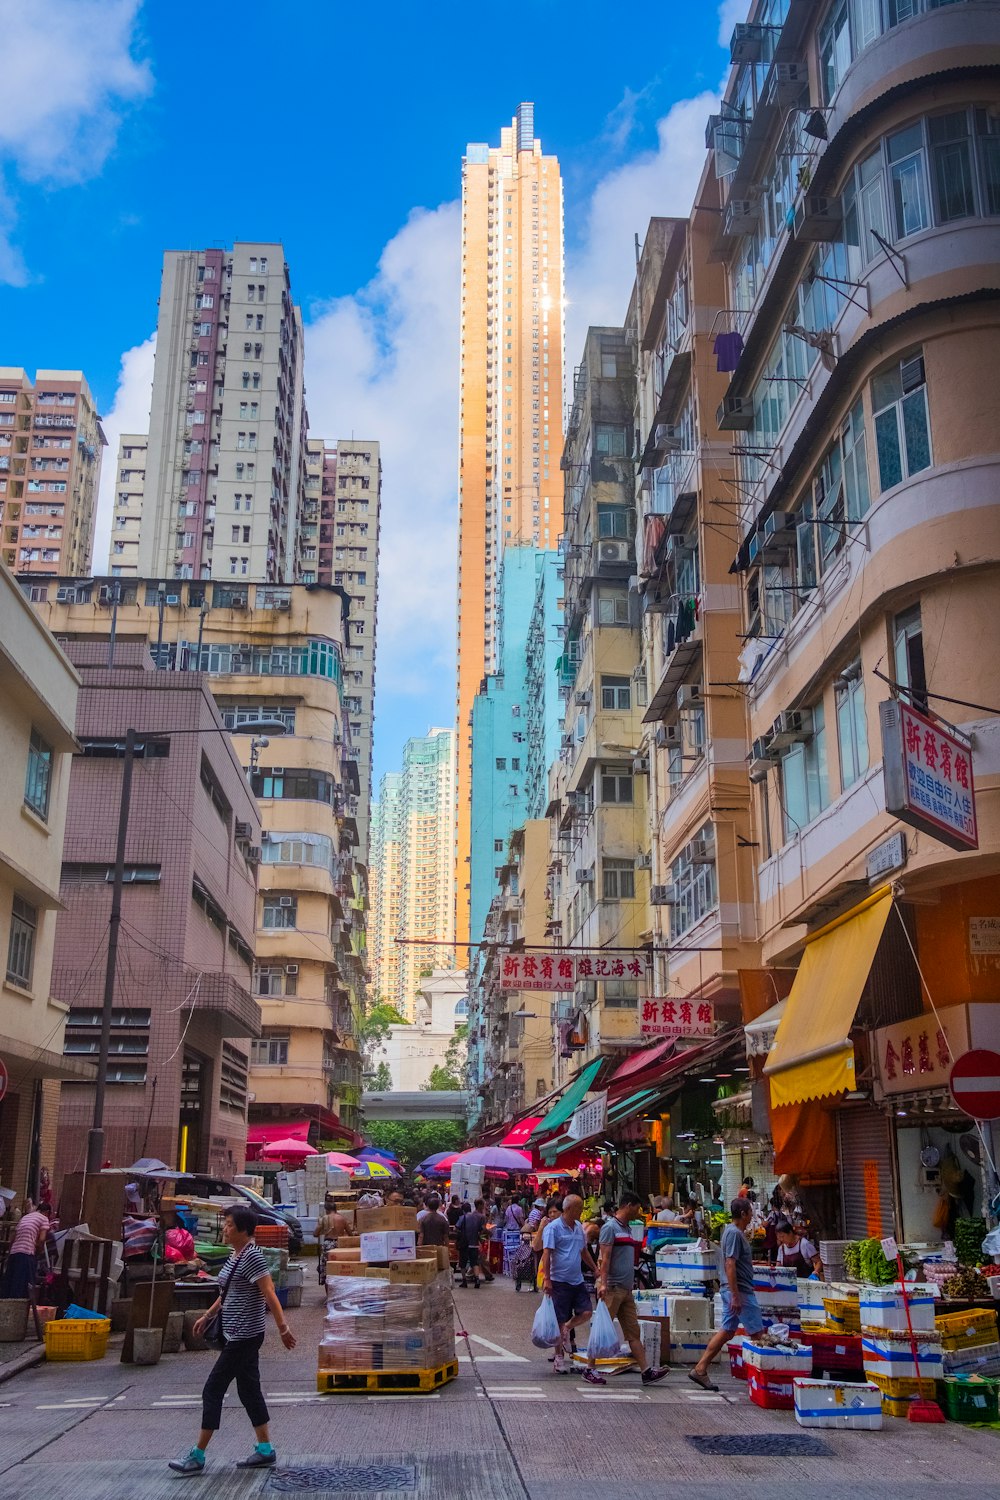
183 1017
426 864
126 519
510 420
225 470
51 445
38 699
857 151
274 658
386 887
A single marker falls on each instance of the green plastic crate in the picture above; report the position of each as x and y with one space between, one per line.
970 1398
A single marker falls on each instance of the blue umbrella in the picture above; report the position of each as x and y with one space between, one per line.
430 1162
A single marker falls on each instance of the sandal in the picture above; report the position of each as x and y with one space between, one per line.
702 1381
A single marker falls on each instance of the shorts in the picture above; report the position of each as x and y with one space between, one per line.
621 1305
749 1317
571 1301
468 1256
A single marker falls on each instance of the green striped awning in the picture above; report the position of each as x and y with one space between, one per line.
566 1107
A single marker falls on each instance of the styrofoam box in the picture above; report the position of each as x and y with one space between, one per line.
650 1332
676 1274
689 1314
810 1296
653 1304
881 1307
981 1359
884 1358
688 1349
795 1360
836 1403
774 1278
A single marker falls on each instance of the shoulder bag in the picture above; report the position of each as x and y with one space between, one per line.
214 1335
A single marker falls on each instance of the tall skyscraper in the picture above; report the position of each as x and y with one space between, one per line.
226 461
130 486
50 468
414 870
511 427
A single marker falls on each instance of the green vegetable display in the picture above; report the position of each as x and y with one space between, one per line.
967 1283
875 1269
969 1241
852 1260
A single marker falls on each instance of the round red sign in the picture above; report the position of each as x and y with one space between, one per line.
4 1078
975 1084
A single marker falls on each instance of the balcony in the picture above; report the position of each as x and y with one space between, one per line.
222 999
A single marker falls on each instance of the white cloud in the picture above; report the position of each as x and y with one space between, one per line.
731 11
68 71
383 364
129 413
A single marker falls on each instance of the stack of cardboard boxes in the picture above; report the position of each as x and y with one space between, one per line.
389 1320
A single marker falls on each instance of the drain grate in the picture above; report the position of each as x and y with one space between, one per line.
762 1445
342 1478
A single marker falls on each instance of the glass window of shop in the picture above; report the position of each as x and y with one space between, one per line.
852 726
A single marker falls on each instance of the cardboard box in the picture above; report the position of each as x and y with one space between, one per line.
388 1245
413 1272
338 1327
367 1220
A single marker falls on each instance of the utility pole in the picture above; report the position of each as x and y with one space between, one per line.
95 1136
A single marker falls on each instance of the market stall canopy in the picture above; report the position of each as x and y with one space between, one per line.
146 1165
368 1171
430 1162
288 1148
813 1054
638 1062
342 1160
568 1104
520 1134
285 1130
760 1034
495 1159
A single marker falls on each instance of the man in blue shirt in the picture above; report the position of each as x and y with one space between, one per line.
739 1305
564 1254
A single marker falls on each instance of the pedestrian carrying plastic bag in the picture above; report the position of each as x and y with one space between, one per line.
604 1342
545 1328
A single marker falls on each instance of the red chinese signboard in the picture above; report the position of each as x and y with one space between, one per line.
917 1054
676 1018
564 971
928 775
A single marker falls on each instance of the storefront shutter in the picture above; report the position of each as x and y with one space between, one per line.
866 1173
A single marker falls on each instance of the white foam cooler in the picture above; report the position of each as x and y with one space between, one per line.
836 1403
882 1307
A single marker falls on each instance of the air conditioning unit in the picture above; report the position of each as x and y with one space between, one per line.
690 696
661 895
790 84
244 830
566 740
291 968
614 552
285 900
584 877
791 728
703 851
667 735
735 414
741 215
265 837
275 770
173 599
105 594
776 534
644 861
253 854
761 758
667 437
238 601
746 43
640 765
817 218
65 596
583 700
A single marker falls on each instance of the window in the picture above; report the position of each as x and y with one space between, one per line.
621 994
610 441
951 162
908 652
902 431
834 49
498 846
616 693
300 785
609 367
21 947
612 607
614 521
268 1051
852 726
618 879
279 911
695 891
908 180
805 786
38 781
616 785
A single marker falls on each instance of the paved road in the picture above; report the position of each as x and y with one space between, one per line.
507 1428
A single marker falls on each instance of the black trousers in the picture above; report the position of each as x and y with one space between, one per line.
238 1361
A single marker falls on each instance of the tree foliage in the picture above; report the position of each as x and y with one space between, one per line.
450 1075
413 1140
375 1025
382 1079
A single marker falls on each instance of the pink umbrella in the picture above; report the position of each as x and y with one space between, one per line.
289 1148
342 1159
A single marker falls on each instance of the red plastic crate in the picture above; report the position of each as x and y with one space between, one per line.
737 1368
835 1352
772 1394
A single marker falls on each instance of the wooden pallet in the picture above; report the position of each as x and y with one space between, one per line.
401 1382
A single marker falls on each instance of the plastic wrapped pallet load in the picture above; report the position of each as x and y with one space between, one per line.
834 1403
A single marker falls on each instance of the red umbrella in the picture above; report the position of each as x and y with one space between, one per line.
286 1149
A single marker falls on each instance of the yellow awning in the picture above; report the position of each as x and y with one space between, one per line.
812 1054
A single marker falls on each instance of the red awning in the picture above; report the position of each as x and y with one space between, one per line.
278 1130
323 1123
638 1062
519 1134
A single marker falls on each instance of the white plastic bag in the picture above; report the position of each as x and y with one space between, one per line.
604 1342
545 1329
991 1244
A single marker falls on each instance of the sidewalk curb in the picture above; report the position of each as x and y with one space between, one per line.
24 1361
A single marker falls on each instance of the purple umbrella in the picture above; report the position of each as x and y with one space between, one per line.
430 1162
495 1158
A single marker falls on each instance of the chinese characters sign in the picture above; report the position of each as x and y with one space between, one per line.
564 971
928 776
918 1054
590 1119
676 1018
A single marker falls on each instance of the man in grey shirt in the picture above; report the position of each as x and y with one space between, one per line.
615 1281
740 1307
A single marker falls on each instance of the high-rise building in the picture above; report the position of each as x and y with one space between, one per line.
50 468
510 420
413 841
226 461
130 485
385 889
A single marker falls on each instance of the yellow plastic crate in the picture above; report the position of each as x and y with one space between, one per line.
893 1408
76 1338
390 1382
964 1330
843 1316
903 1387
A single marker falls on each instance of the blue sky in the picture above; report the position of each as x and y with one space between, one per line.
128 128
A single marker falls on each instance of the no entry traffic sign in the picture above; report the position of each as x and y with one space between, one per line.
975 1084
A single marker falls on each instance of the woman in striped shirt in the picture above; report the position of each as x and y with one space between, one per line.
247 1292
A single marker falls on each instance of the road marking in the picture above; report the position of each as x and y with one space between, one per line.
71 1405
403 1395
500 1355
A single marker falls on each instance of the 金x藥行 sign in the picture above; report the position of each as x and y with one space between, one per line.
928 775
676 1018
564 971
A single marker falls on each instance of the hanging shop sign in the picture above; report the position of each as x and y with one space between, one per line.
928 775
590 1119
984 934
676 1018
564 971
975 1084
885 857
918 1054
